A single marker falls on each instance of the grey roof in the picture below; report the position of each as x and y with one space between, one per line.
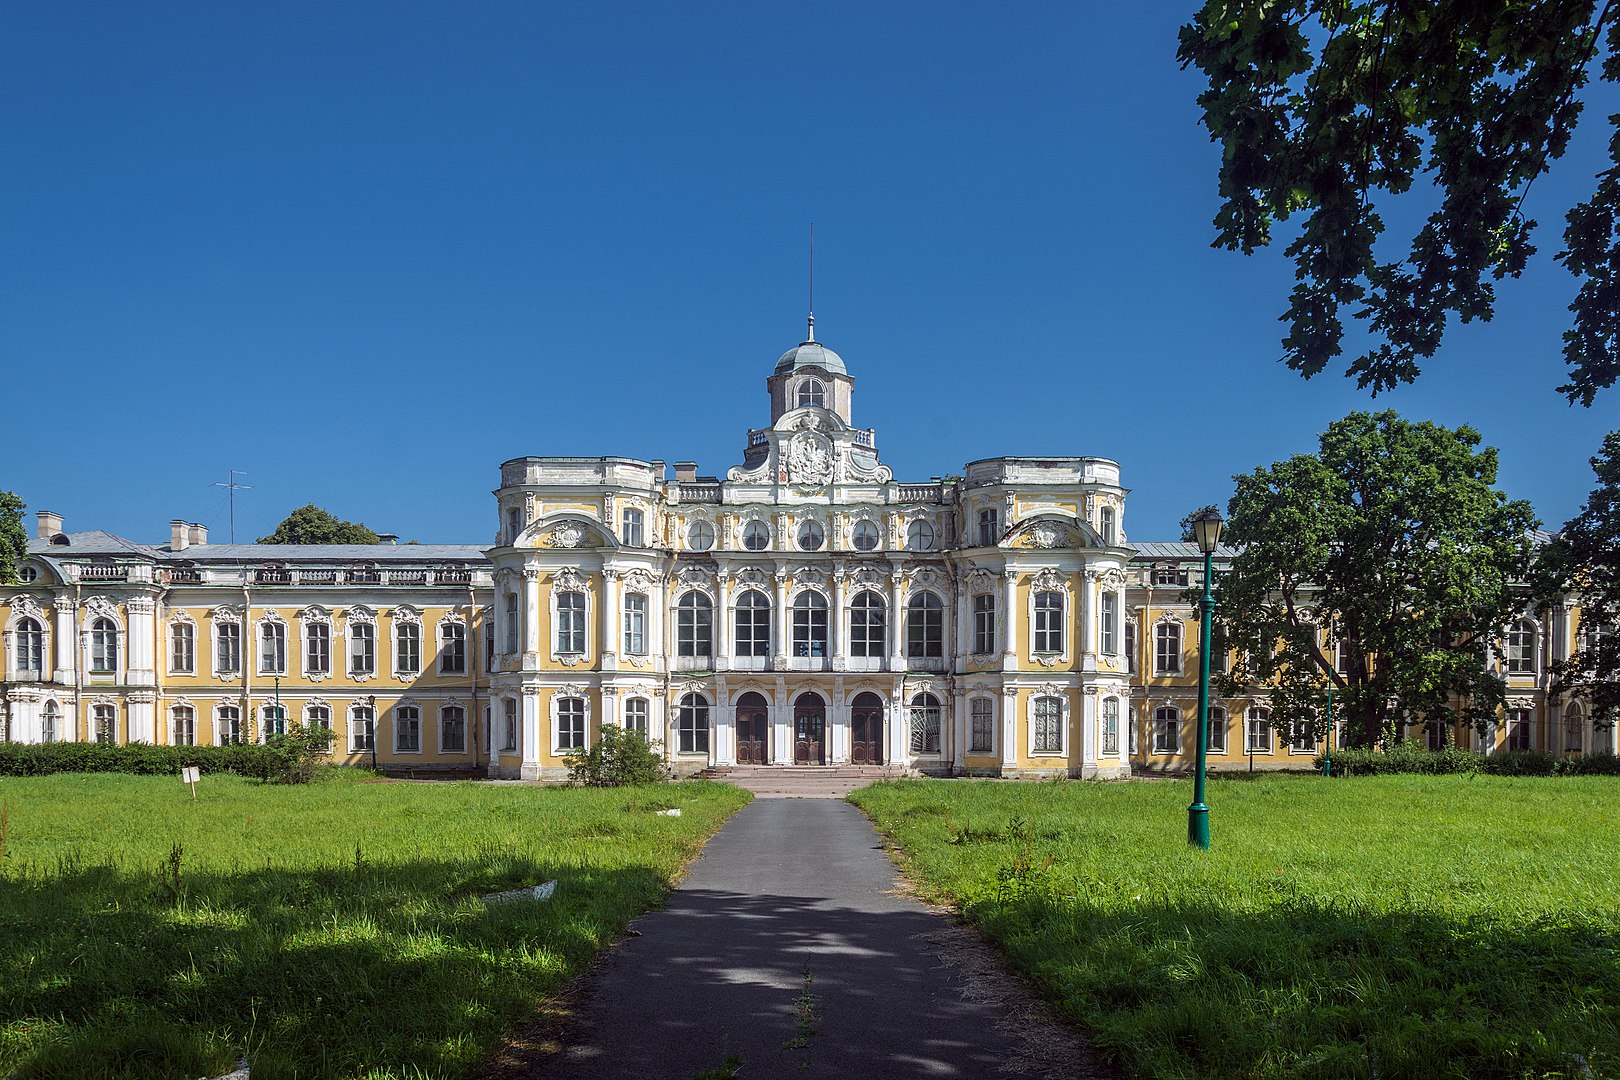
1178 549
811 354
330 552
93 542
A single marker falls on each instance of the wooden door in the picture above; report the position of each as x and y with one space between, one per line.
809 731
753 726
866 730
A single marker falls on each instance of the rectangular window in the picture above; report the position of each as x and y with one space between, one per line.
692 726
229 722
982 732
1169 575
509 726
408 729
632 520
407 648
1048 622
1167 648
571 723
452 649
182 650
1110 623
183 725
1110 726
1302 739
318 716
1217 730
514 640
104 720
989 528
317 648
1572 733
984 624
489 641
272 721
1434 735
362 648
635 624
228 641
635 715
1167 731
362 729
1048 726
272 648
571 622
925 626
1130 646
453 729
1518 731
753 625
1258 735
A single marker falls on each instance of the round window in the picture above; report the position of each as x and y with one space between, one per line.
811 536
27 575
920 536
700 536
865 536
757 536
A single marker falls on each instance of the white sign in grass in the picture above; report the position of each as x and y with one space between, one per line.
189 775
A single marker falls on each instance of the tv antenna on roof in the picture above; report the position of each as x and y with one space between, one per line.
233 487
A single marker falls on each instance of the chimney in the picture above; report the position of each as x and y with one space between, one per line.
50 523
179 537
685 472
197 534
388 538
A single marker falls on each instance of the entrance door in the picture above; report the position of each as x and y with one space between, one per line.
809 730
753 722
866 730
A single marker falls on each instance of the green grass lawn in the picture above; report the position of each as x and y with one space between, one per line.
1387 927
329 930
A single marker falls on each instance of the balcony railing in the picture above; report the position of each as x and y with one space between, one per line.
272 575
919 493
103 572
185 575
695 663
700 493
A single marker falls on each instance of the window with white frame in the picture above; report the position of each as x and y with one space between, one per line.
183 725
925 625
984 624
407 647
635 624
1049 621
637 713
700 536
1133 735
1109 618
50 722
104 647
981 726
1105 525
925 724
317 648
1167 730
1521 648
489 641
570 723
570 622
1217 729
272 720
811 392
866 624
692 725
1518 729
753 624
509 725
694 625
1167 648
104 723
1574 725
1130 646
318 716
756 536
809 625
1592 633
362 729
227 647
514 524
1257 735
1302 737
182 648
865 536
30 647
920 535
1110 726
362 648
452 730
811 535
1170 575
989 528
407 729
512 613
272 648
633 522
228 726
452 648
1434 734
1047 736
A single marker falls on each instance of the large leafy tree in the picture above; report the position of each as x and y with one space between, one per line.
1331 109
1584 560
13 537
1392 544
309 524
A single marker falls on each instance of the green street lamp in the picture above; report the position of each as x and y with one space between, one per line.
1207 531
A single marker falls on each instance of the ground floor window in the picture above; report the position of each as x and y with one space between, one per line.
453 730
1167 730
636 711
509 725
104 721
1434 735
1048 733
1217 730
183 725
228 725
1572 732
691 725
925 724
1303 740
408 729
362 730
571 723
982 735
274 720
1110 726
1518 729
1258 740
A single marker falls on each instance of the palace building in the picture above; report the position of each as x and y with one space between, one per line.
806 609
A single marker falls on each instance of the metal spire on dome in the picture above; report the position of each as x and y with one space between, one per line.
812 332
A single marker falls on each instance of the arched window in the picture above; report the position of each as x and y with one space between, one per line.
104 646
1110 726
1521 648
1217 729
1047 736
865 536
811 392
694 625
1167 730
570 621
1574 730
1049 622
570 723
1105 525
925 724
452 730
692 725
811 535
809 625
982 727
636 713
104 723
272 648
30 648
228 726
1257 738
920 535
756 536
452 648
753 624
925 625
866 630
1167 648
407 647
700 536
50 722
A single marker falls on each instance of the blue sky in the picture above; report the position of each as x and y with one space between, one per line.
366 252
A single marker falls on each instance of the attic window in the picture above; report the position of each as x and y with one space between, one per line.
812 392
27 575
61 540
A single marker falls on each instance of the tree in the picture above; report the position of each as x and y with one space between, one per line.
309 524
13 537
1187 534
1584 560
1332 109
1392 544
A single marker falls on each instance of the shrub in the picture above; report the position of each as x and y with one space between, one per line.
295 755
141 759
1414 757
619 758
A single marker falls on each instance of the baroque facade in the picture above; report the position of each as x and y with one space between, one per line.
806 609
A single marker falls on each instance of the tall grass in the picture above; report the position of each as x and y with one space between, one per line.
1404 926
332 930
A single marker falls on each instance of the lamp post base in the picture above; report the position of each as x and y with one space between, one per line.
1198 825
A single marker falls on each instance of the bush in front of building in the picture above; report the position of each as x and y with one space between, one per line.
618 759
141 759
1415 757
296 754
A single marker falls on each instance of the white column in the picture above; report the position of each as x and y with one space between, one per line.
534 731
838 742
781 725
1009 619
610 620
724 750
66 642
1089 730
1009 727
1086 615
897 625
722 623
783 646
610 702
964 622
836 621
897 728
141 637
531 618
143 716
959 727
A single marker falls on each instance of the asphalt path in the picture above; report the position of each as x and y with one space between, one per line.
792 946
